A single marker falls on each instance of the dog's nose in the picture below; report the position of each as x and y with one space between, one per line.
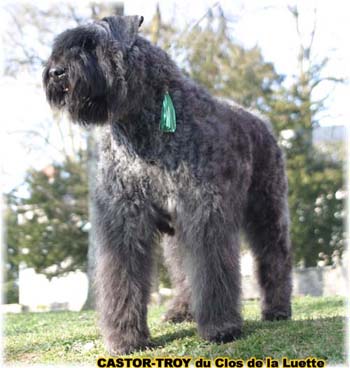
56 72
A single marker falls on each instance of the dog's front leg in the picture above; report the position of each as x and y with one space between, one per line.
211 242
125 233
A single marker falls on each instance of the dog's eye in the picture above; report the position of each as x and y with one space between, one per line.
89 43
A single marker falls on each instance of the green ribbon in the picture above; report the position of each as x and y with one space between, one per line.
168 116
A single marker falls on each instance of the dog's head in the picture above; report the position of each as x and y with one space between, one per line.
86 72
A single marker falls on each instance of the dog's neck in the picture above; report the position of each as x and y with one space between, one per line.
152 74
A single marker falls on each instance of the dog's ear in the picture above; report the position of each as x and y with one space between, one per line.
124 28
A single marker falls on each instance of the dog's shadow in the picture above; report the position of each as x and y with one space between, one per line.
251 328
182 331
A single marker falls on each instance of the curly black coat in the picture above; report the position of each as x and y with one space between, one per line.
219 173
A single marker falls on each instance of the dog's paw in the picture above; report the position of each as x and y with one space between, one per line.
276 314
177 316
123 345
227 333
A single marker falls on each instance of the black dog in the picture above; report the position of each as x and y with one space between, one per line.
219 172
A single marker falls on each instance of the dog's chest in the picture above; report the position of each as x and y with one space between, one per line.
123 170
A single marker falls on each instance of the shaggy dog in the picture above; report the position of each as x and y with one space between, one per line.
219 173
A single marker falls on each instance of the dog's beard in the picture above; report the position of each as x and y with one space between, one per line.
89 110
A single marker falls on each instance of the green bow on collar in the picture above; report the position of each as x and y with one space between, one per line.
168 116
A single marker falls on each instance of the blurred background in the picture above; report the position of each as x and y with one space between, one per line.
286 60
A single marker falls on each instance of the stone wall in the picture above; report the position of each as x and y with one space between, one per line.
37 293
314 281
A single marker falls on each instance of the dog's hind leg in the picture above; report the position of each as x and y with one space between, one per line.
267 230
179 308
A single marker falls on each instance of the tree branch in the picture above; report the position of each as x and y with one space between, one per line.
328 79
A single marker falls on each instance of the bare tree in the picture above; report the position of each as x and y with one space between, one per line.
28 43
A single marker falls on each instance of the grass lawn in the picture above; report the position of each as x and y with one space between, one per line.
317 329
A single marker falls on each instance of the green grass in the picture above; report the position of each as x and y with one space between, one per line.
317 329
